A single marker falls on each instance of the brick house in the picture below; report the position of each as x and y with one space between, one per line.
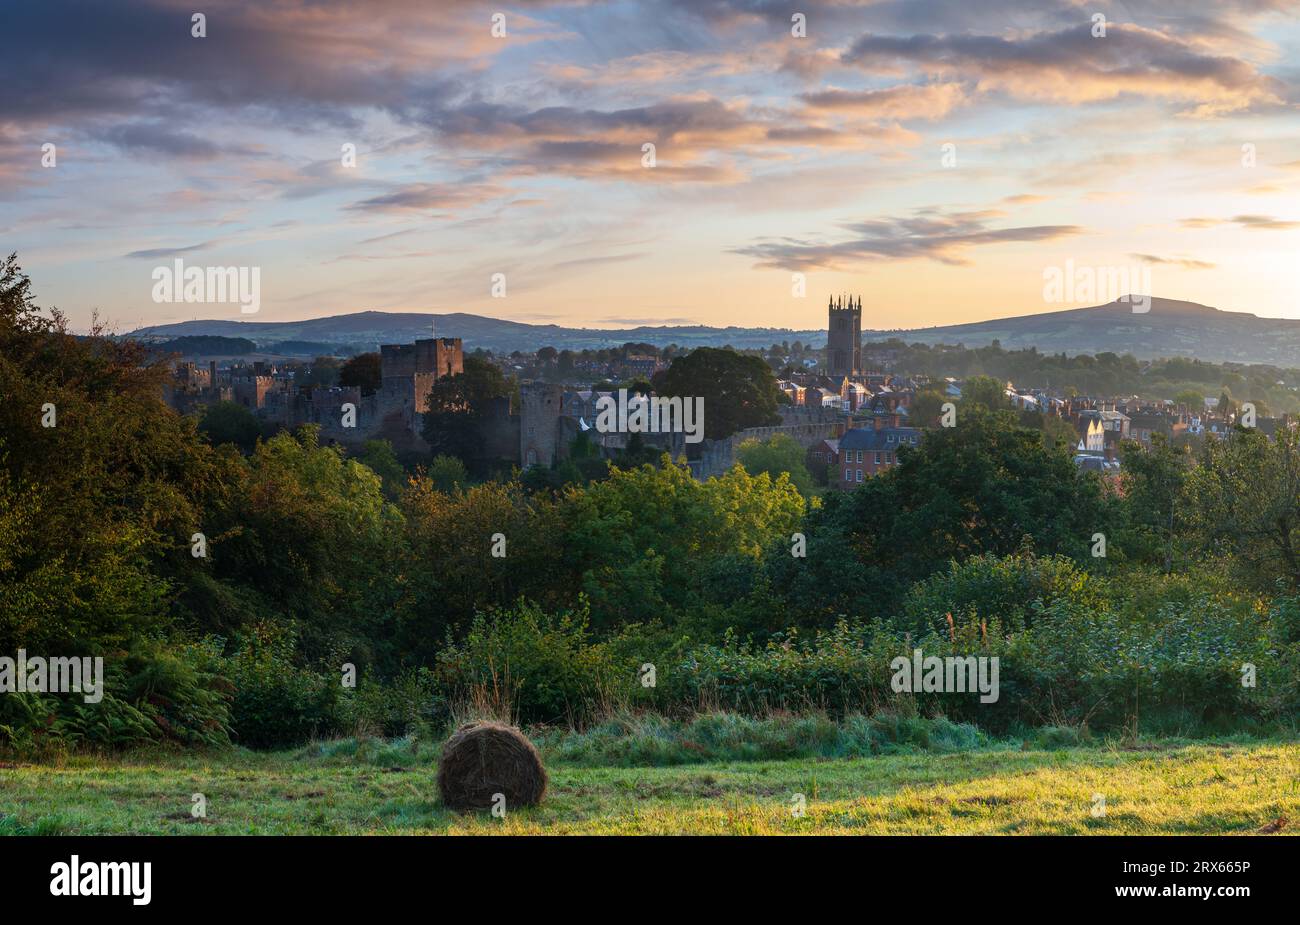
863 453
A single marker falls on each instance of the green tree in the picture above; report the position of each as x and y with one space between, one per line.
447 474
230 422
1154 482
323 373
778 454
985 486
985 392
363 371
379 456
926 408
1245 503
739 391
455 422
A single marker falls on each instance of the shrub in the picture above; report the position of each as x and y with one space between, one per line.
541 667
277 703
1009 589
154 694
404 706
648 739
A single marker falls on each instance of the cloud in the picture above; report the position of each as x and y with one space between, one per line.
646 322
596 261
1070 65
1252 222
283 59
1186 263
930 101
928 234
694 137
161 252
429 197
156 138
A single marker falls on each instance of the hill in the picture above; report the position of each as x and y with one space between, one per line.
1170 328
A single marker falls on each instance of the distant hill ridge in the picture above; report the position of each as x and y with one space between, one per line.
1170 328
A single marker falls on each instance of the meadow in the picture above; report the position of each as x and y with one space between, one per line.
374 786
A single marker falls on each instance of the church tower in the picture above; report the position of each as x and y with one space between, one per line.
844 337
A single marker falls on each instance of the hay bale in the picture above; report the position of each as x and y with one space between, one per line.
483 759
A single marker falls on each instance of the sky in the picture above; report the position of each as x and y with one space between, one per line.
938 158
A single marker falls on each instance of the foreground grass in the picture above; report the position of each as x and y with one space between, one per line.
1169 788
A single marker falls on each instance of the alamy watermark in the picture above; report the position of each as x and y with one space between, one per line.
76 877
39 675
953 674
179 283
656 414
1096 285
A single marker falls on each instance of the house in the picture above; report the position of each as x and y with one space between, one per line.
865 452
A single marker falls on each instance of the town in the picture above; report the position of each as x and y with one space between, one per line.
845 405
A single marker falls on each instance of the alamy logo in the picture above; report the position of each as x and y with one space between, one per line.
1094 285
656 414
953 674
105 878
38 675
179 283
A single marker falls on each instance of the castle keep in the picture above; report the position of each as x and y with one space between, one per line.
408 372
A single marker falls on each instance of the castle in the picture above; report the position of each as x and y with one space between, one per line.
844 337
395 411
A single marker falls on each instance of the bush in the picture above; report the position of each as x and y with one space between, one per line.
408 705
531 665
277 703
637 740
153 695
836 672
1009 589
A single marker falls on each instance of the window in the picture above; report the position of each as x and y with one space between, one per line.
848 475
859 456
859 475
877 459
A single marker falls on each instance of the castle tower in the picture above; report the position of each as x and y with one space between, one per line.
844 337
539 423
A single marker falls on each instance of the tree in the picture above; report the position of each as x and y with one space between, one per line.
363 371
97 510
323 373
778 454
738 391
1193 399
447 474
926 408
379 456
1245 502
985 486
1154 483
230 422
984 391
458 412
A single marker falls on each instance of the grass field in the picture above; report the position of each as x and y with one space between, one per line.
1172 787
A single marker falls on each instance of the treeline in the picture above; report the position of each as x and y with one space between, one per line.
1105 374
205 345
232 593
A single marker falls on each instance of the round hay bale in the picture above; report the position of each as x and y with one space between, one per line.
481 760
